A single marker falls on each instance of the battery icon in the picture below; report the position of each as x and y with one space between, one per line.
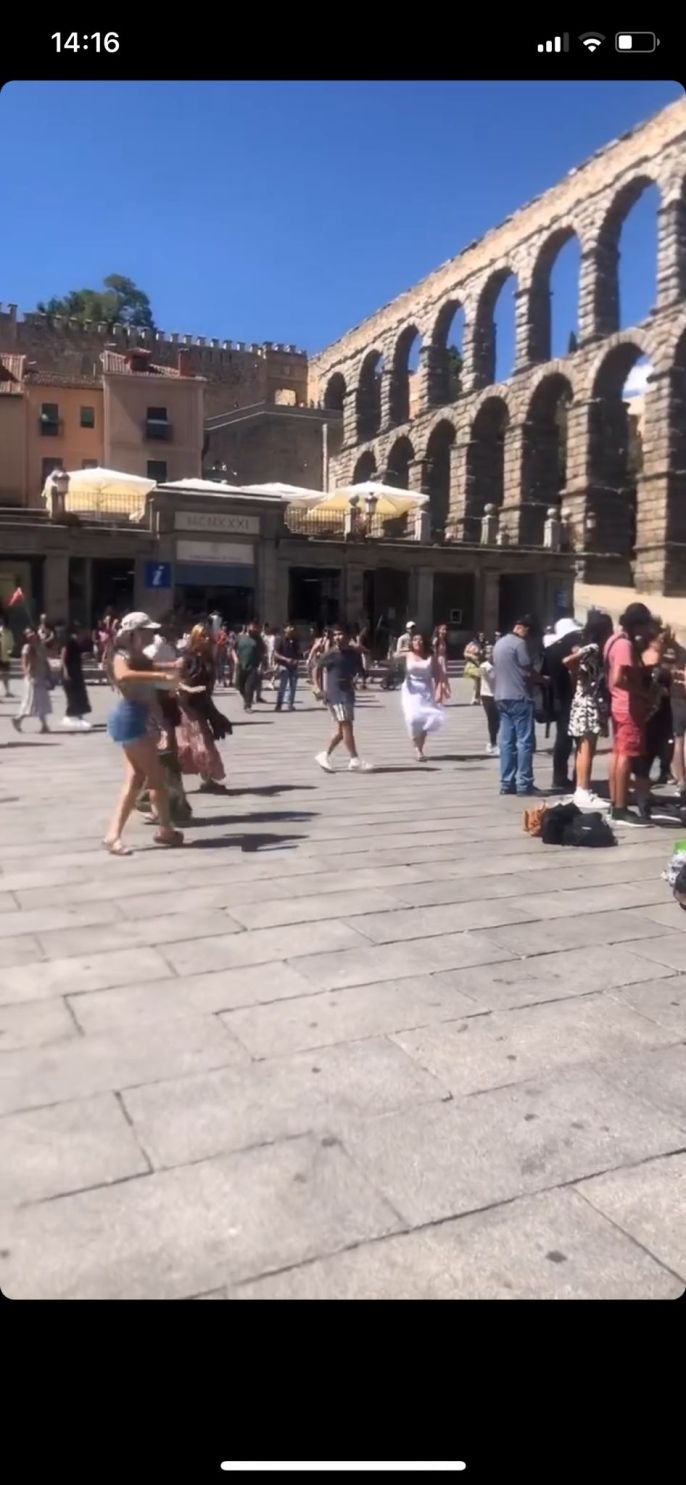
636 41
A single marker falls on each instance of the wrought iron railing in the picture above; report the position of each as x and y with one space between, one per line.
334 526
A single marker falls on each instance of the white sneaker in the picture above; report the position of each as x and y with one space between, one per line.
357 765
492 750
324 762
70 723
585 799
84 726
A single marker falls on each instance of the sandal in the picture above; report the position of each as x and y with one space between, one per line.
168 838
117 848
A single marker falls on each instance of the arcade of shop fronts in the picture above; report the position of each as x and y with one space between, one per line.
193 548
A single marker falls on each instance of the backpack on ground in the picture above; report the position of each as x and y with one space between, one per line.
588 828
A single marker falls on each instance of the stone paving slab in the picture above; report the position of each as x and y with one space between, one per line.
119 1058
176 1233
46 1152
189 995
274 1015
147 931
663 1001
550 1246
658 1075
37 1021
189 1119
514 1046
507 1142
569 974
37 980
347 1015
649 1203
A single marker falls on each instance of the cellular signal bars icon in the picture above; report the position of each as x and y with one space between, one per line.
558 44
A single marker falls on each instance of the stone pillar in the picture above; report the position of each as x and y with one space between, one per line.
599 292
350 418
421 530
522 337
671 251
431 378
387 380
56 587
575 495
424 598
488 617
353 603
510 514
489 526
417 476
266 590
458 525
552 530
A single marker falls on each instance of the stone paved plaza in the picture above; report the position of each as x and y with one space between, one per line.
361 1038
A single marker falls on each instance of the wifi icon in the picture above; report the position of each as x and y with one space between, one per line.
592 40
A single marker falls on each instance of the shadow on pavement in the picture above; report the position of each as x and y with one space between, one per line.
243 842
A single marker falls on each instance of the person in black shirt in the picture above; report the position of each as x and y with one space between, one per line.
343 663
560 696
286 658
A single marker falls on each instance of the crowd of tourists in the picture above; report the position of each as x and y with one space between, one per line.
581 681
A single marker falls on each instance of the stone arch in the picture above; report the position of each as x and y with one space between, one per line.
368 396
438 467
365 467
676 416
540 307
606 306
544 454
484 341
444 369
485 484
613 477
401 397
400 457
334 394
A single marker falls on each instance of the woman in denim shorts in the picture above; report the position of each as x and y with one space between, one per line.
136 681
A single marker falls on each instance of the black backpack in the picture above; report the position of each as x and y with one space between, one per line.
588 828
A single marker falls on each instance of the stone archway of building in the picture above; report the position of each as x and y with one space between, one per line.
544 455
615 460
438 457
403 371
365 468
487 351
609 313
368 397
334 395
398 464
552 329
485 464
445 355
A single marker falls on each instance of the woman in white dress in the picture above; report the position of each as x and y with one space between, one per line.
423 678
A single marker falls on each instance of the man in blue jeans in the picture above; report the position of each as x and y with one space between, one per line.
512 689
286 659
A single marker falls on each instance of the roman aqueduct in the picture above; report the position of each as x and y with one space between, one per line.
556 432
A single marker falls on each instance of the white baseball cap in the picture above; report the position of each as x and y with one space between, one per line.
410 624
136 620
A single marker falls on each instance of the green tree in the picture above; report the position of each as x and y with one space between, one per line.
573 344
119 302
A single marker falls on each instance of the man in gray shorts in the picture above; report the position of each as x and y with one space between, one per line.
342 664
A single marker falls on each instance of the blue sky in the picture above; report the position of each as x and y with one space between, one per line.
289 211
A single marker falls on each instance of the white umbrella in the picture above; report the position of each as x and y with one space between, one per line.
286 492
390 501
209 487
103 490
